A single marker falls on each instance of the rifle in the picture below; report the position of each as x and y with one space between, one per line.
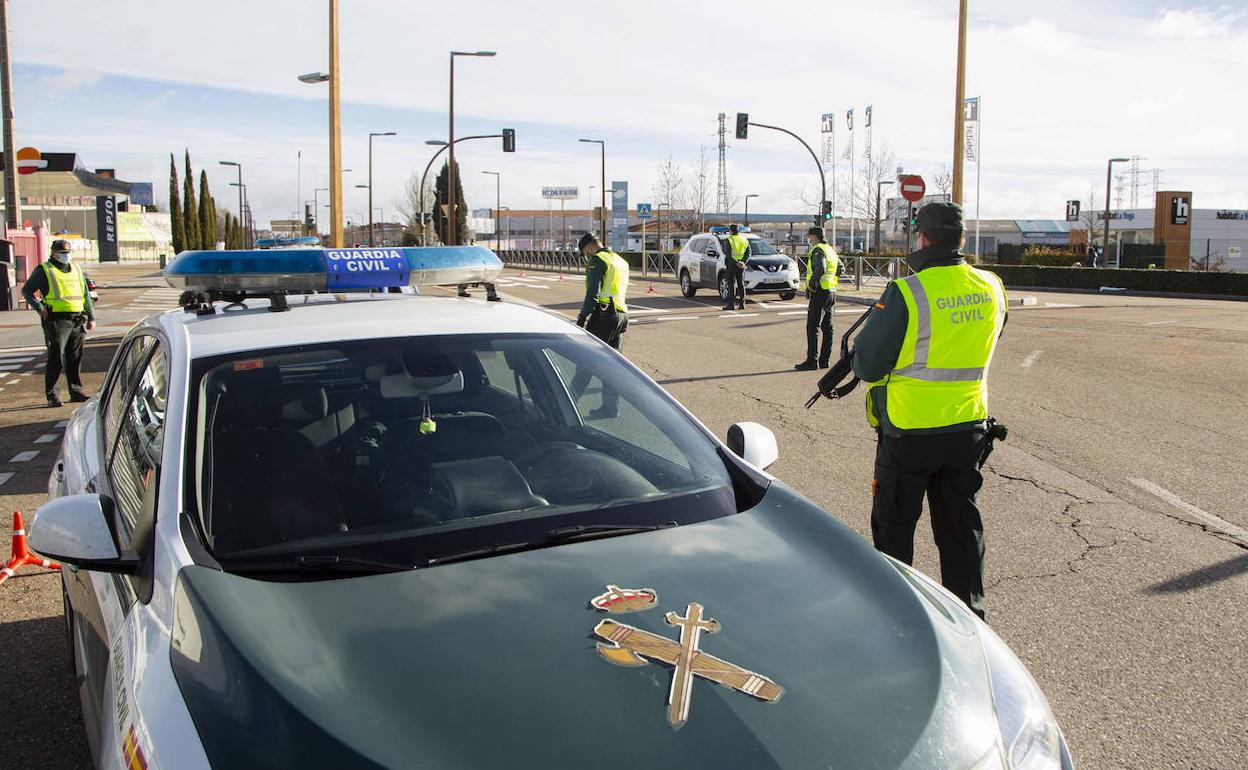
831 385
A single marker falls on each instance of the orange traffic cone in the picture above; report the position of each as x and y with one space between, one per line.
21 554
560 275
651 290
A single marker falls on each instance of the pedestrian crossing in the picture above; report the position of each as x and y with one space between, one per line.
156 300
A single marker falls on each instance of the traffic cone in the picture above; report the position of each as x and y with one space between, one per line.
21 554
651 290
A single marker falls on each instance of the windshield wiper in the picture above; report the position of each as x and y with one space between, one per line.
316 564
552 537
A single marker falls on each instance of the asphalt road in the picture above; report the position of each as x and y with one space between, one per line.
1116 514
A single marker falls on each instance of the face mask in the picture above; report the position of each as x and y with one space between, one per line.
63 257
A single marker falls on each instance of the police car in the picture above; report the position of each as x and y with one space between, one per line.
701 266
333 530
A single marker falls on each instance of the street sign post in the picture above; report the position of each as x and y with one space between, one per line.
912 187
644 211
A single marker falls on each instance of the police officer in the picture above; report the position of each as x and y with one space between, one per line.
822 268
925 352
604 313
64 307
736 257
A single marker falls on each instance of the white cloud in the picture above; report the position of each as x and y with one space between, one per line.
1064 86
68 81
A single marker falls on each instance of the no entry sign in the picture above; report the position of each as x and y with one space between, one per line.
912 187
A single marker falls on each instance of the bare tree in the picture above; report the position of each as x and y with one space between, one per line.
696 196
859 202
942 180
670 184
408 206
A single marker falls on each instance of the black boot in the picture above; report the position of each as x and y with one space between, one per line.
806 366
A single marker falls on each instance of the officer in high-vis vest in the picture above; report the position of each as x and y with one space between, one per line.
64 306
737 254
925 351
604 313
822 267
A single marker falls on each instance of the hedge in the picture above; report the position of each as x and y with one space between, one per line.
1167 281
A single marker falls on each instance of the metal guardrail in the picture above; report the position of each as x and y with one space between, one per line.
657 265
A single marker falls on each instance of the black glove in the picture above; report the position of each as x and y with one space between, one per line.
580 320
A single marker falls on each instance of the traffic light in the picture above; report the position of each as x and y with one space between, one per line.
914 217
309 217
509 140
826 210
743 125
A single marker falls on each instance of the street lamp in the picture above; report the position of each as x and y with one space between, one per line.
370 181
1109 171
878 186
498 201
239 167
335 129
453 218
508 210
244 210
747 207
602 213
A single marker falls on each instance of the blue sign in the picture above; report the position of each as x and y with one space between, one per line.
141 194
619 216
644 211
365 268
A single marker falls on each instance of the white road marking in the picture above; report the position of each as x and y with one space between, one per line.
63 424
851 311
18 359
675 318
12 368
47 438
793 312
1160 323
4 477
736 315
25 457
1204 517
635 309
1060 304
1030 359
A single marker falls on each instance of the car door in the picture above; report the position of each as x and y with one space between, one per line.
711 261
130 458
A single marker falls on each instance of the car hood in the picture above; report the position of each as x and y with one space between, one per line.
768 262
493 663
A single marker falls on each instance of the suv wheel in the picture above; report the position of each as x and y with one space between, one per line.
725 289
785 296
686 284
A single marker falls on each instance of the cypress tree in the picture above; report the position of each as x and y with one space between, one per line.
440 222
207 214
190 211
175 209
226 230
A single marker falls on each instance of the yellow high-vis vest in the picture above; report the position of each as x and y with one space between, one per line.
955 315
66 289
831 266
614 288
737 244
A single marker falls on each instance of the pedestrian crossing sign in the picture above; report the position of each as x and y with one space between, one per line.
644 211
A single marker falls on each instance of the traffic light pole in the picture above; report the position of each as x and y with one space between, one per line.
823 182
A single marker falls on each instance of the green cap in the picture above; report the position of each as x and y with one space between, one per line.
936 217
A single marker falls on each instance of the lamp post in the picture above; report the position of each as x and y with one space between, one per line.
243 210
602 213
508 210
442 148
453 215
381 215
959 107
498 201
370 181
370 212
335 128
239 168
747 207
1109 179
879 185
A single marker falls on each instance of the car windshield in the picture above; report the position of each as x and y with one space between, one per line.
761 248
406 450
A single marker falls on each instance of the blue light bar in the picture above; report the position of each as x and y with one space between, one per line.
265 271
287 243
723 230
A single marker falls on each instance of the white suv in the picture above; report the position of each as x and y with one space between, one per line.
701 266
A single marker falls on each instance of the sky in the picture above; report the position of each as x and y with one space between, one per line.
1064 85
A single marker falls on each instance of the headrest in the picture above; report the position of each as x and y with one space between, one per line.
407 386
304 402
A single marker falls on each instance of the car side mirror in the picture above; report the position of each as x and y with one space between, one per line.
76 530
711 252
754 443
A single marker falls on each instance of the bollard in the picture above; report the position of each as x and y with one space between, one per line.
162 261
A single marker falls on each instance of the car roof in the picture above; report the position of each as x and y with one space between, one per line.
314 319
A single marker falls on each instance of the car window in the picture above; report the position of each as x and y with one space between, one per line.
136 458
115 399
401 450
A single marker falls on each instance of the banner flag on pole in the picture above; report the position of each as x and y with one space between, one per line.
849 122
866 153
827 127
970 139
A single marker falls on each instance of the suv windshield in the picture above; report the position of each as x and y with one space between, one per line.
761 248
406 450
